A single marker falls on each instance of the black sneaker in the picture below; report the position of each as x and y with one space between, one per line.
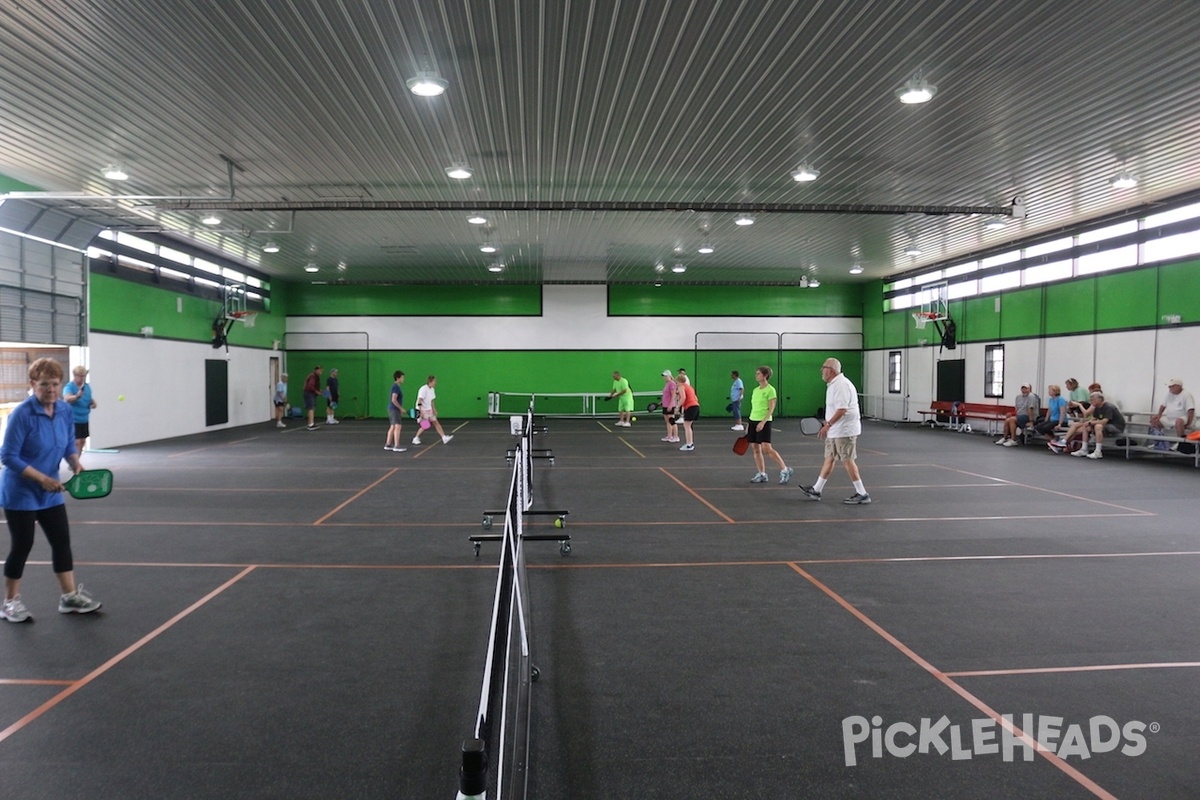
810 491
857 500
311 428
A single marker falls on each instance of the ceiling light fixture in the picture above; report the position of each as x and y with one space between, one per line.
744 219
115 172
427 84
497 267
856 269
271 247
705 248
311 268
913 249
995 223
915 92
487 247
211 219
477 219
805 173
679 269
1123 180
813 283
459 172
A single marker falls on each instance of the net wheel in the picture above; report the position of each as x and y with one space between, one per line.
565 549
487 526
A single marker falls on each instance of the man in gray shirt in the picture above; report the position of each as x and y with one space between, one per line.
1103 417
1028 409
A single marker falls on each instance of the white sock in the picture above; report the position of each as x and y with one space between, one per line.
1098 446
858 487
819 484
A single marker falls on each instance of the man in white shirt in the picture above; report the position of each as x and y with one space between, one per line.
843 424
1177 413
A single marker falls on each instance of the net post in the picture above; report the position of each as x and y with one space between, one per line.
472 775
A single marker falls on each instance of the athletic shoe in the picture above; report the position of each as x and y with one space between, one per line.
1061 442
1175 447
280 425
759 477
1095 455
331 422
399 449
811 492
446 439
310 428
1055 447
1001 441
14 610
738 428
1010 443
785 475
674 440
688 447
416 440
387 447
1081 452
77 602
667 439
857 499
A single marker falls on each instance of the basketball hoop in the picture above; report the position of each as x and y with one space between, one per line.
923 318
247 318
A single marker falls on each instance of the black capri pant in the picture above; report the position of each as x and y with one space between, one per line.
21 529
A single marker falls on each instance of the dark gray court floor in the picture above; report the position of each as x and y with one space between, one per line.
300 614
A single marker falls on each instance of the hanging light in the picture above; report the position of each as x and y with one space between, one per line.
805 173
271 247
211 219
459 172
1123 180
679 269
427 84
477 219
744 219
115 172
916 91
705 248
995 223
311 267
487 247
913 249
496 267
856 269
813 283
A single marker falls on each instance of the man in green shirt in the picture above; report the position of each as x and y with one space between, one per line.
621 391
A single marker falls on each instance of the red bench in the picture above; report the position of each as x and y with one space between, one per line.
953 415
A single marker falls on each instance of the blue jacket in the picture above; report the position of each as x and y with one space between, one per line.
34 437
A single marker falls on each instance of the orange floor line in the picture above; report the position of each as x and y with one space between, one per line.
212 447
693 493
32 682
359 494
940 676
986 673
117 659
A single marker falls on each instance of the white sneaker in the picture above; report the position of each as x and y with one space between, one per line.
1081 452
1001 441
14 610
1095 454
387 447
446 439
738 428
667 439
77 602
1009 443
416 440
280 425
399 449
688 448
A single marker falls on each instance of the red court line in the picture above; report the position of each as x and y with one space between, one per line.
987 673
361 492
690 491
940 676
117 659
31 682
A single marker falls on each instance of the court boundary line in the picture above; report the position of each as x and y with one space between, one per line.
357 495
959 690
75 686
694 494
989 673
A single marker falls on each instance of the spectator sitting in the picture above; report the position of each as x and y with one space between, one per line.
1103 417
1056 411
1028 408
1080 400
1177 414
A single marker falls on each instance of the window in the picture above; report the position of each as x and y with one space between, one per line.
993 370
1174 215
1056 271
996 283
964 289
962 269
1120 229
894 364
1003 258
1108 259
1177 246
1047 247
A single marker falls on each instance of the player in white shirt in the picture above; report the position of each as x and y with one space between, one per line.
427 411
843 424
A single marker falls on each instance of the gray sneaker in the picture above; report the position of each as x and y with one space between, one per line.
14 610
785 475
857 499
399 449
811 492
759 477
77 602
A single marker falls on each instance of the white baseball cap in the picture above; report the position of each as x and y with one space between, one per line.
1175 382
666 373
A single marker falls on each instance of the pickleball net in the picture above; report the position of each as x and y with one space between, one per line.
495 760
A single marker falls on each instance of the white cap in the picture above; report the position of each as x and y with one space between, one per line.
666 373
1175 382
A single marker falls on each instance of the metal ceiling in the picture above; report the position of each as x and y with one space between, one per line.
567 108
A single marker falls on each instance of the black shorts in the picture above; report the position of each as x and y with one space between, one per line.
755 436
691 414
82 431
669 413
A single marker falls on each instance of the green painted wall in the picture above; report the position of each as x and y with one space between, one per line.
365 301
120 306
1131 299
8 184
831 300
